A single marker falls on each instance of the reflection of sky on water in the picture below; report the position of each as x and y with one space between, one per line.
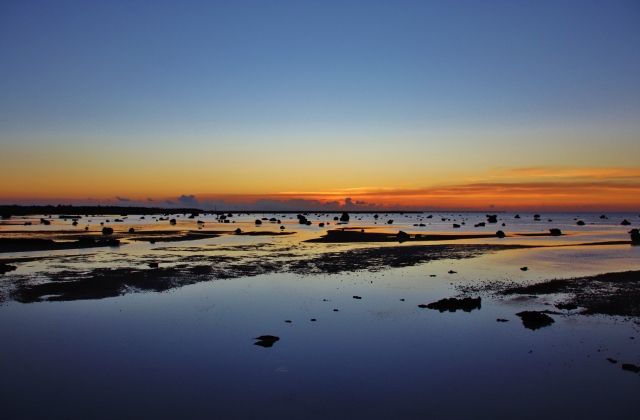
189 353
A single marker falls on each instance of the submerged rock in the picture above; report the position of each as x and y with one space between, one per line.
534 320
452 304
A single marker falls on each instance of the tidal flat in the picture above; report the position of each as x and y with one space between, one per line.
214 317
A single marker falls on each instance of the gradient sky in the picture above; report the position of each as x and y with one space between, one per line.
424 104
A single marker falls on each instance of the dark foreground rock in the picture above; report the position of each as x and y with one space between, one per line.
5 268
266 340
631 368
452 304
534 320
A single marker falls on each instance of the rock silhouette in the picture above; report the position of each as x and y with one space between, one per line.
266 340
344 217
625 222
492 218
258 222
107 231
580 223
635 235
555 232
455 225
5 268
500 234
452 304
631 368
534 320
481 224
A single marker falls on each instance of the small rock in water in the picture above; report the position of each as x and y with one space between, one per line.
524 268
266 340
502 320
535 320
357 297
287 320
625 222
631 368
450 272
500 234
402 300
335 310
555 232
452 304
614 361
580 223
313 320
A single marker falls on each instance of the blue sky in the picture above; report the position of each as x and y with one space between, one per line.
267 75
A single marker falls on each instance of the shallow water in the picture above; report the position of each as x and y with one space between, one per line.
189 352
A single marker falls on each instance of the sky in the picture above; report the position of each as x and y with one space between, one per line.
321 104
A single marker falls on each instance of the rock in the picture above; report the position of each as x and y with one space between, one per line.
403 236
238 231
492 218
502 320
266 340
335 310
452 304
5 216
357 297
258 222
524 268
288 321
534 320
517 216
566 306
536 216
281 227
172 221
481 224
631 368
321 224
336 218
430 216
625 222
132 230
375 216
74 223
389 222
107 231
452 272
153 265
313 320
308 223
500 234
580 223
273 220
555 232
401 300
614 361
5 268
504 224
422 225
455 225
603 216
635 235
344 217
